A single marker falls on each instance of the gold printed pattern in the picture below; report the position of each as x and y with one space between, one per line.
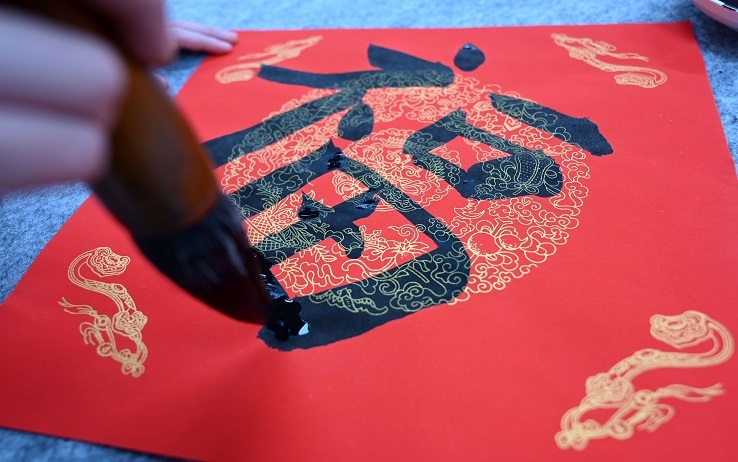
505 238
127 323
272 55
642 409
587 50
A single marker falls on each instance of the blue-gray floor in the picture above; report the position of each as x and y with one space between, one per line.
29 219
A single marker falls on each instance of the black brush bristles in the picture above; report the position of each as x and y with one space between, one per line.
213 261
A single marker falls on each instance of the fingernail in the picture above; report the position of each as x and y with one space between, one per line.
225 47
169 49
231 36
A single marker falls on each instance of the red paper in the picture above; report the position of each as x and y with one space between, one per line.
621 282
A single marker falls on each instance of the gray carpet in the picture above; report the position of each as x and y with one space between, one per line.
28 219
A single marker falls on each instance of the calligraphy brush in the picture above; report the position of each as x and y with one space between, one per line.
160 187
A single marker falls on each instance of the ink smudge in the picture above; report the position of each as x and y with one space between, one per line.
368 204
307 212
335 162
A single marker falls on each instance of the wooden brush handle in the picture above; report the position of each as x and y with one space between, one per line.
160 179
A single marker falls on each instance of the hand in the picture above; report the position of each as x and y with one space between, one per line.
196 37
60 89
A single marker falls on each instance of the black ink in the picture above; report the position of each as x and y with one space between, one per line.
257 196
523 173
582 132
284 319
398 70
433 278
357 123
310 208
344 312
307 213
323 222
468 58
335 161
369 203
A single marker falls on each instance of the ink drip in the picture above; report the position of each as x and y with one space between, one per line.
335 162
468 58
284 318
307 212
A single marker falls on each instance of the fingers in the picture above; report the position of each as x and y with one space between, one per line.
141 26
161 81
58 68
215 32
196 37
59 95
61 90
41 146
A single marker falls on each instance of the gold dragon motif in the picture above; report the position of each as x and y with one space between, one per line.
642 409
589 51
127 323
271 55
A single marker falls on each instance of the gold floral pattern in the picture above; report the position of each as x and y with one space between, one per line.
504 238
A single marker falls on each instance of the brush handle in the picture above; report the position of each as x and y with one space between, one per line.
160 180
